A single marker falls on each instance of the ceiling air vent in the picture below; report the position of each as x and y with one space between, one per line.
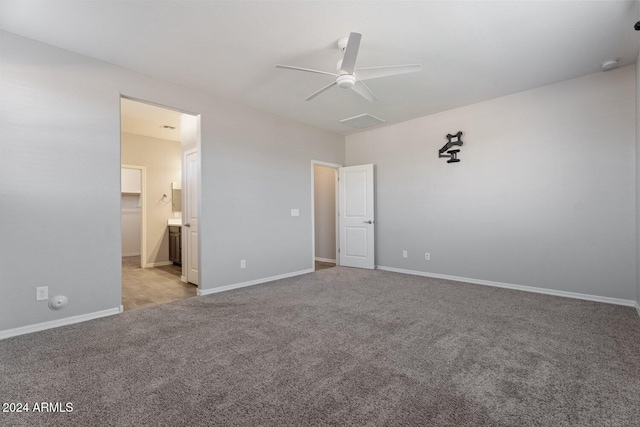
362 121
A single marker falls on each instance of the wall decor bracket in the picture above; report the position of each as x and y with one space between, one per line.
452 155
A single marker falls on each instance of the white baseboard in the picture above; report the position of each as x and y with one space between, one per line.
252 282
60 322
608 300
183 279
638 307
333 261
158 264
132 254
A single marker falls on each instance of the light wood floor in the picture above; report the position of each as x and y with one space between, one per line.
144 287
320 265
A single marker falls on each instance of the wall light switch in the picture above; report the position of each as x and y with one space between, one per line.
42 293
243 263
295 212
404 254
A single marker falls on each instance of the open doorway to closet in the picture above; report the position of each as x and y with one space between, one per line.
343 215
154 144
325 211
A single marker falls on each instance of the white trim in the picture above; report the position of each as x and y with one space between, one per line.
327 164
253 282
131 254
183 279
326 260
638 307
575 295
313 211
60 322
159 264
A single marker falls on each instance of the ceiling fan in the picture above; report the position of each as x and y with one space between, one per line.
348 77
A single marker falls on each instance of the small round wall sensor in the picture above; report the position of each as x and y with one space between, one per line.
610 65
58 302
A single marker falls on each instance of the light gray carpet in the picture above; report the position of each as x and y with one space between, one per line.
338 347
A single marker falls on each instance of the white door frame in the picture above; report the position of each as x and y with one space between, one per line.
185 249
143 212
313 212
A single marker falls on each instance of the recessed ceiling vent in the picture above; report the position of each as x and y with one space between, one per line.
362 121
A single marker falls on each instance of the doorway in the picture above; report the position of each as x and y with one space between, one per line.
353 216
132 211
325 214
153 143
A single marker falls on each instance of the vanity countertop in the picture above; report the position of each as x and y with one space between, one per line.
174 222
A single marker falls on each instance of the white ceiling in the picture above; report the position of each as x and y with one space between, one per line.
148 120
470 51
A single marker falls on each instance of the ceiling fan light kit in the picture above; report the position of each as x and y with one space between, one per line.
348 77
346 81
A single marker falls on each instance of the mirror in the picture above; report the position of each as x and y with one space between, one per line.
176 197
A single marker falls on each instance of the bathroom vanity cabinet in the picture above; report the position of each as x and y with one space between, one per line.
175 244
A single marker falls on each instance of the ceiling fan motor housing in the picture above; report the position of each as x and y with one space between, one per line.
345 75
346 81
342 42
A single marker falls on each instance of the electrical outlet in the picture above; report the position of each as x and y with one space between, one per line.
427 256
295 212
404 254
243 263
42 293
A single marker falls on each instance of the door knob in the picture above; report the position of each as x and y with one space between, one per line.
368 222
187 225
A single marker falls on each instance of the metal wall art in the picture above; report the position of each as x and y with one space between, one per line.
452 155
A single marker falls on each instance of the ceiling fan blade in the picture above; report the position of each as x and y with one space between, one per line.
351 54
362 90
289 67
314 94
390 70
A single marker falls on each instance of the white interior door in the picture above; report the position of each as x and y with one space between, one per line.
357 227
191 217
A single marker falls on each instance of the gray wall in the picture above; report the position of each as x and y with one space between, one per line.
325 211
544 195
60 174
638 180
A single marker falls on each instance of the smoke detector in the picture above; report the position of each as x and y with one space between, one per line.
611 64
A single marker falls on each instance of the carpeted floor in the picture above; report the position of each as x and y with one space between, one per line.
339 346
